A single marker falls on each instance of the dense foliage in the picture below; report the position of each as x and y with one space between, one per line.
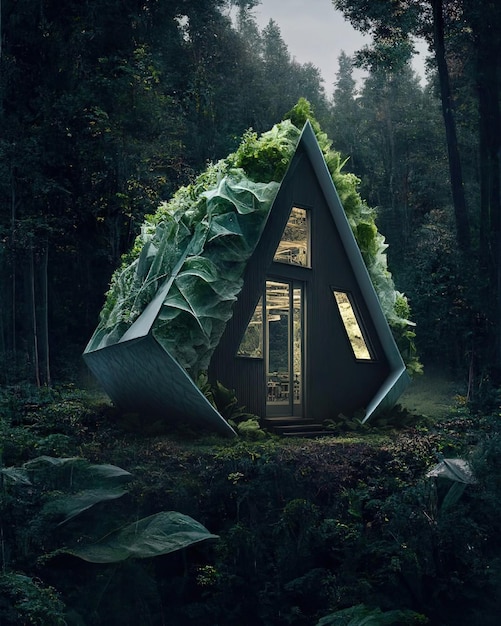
465 70
96 135
310 532
107 108
104 112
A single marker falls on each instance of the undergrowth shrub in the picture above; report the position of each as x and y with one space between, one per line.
25 601
307 528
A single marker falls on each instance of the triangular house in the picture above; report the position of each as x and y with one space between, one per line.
307 337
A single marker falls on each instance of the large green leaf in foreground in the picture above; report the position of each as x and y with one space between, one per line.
72 505
361 615
158 534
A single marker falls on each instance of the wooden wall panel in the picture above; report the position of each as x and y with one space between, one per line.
334 380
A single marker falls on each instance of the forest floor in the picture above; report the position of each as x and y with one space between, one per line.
343 516
432 394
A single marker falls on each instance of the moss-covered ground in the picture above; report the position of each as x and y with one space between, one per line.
434 393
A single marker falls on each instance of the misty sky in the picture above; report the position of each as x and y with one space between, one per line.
315 32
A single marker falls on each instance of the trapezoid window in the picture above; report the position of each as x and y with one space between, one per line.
351 325
294 246
251 345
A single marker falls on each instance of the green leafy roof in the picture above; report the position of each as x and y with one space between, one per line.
202 238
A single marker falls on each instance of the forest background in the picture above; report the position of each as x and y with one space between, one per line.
106 108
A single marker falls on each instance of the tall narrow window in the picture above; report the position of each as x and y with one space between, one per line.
284 347
297 344
352 327
251 345
294 247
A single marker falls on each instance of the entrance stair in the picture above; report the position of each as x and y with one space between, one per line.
296 427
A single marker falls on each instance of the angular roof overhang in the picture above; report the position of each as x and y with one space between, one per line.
397 379
141 376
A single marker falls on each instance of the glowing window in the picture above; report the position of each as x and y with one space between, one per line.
352 327
251 345
294 247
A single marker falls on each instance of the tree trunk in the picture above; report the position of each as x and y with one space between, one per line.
13 265
45 296
488 50
490 133
3 325
457 188
36 362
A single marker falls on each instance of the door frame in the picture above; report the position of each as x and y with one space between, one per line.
285 398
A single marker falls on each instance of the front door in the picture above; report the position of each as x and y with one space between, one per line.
284 347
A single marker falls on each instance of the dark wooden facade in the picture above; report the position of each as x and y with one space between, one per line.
333 380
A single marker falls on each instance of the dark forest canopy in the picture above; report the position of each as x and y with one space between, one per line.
463 38
106 108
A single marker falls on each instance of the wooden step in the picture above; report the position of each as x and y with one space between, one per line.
296 427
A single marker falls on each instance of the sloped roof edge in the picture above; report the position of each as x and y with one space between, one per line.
398 378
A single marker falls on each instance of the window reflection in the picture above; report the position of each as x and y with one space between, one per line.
352 327
284 315
277 315
297 343
294 245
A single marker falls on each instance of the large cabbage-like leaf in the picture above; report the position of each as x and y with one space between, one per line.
244 194
199 266
196 246
158 534
224 226
361 615
99 471
74 474
55 461
111 472
72 505
458 470
16 475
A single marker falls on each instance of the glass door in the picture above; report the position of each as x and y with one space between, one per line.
284 347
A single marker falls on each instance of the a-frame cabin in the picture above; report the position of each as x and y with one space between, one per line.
308 339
